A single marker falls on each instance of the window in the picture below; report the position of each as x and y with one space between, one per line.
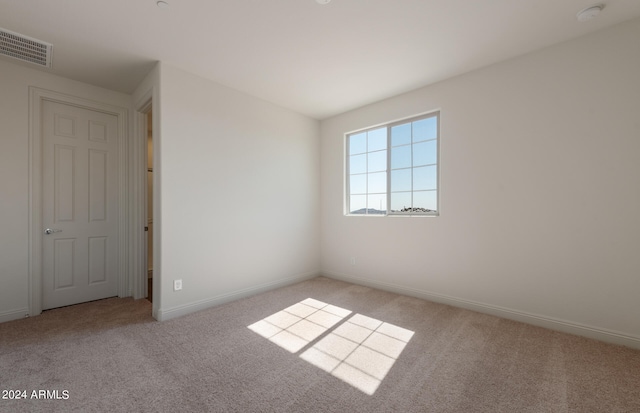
393 169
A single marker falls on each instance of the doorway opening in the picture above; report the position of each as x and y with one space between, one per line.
144 228
149 204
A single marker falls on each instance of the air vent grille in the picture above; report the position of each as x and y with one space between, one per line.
25 48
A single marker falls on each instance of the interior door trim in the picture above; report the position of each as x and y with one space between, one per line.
36 98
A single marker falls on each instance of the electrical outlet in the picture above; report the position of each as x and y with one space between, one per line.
177 285
352 260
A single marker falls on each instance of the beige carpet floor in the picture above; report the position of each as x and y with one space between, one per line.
111 356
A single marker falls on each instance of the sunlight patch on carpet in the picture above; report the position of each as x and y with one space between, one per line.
360 351
298 325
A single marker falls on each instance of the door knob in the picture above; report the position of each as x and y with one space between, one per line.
49 231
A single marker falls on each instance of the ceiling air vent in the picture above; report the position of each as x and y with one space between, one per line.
25 48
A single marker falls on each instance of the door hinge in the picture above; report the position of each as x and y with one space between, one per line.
146 229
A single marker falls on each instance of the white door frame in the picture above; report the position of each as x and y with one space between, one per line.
36 97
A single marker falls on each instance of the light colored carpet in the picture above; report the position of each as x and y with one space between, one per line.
111 356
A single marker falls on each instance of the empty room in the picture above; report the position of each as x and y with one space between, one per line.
320 206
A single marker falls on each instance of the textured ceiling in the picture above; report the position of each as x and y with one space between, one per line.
319 60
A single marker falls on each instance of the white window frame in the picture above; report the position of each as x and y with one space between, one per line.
388 126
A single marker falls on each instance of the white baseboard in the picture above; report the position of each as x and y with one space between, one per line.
14 314
179 311
551 323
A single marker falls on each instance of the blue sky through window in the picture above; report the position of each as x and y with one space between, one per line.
412 169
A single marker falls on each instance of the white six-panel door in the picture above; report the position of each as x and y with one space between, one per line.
79 205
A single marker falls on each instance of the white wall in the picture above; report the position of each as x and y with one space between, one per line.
540 192
237 200
14 173
239 194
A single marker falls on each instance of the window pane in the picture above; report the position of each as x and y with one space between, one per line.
358 143
425 129
401 134
401 157
358 164
426 199
378 204
425 177
377 161
378 182
409 171
358 184
357 203
400 200
377 139
425 153
401 180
